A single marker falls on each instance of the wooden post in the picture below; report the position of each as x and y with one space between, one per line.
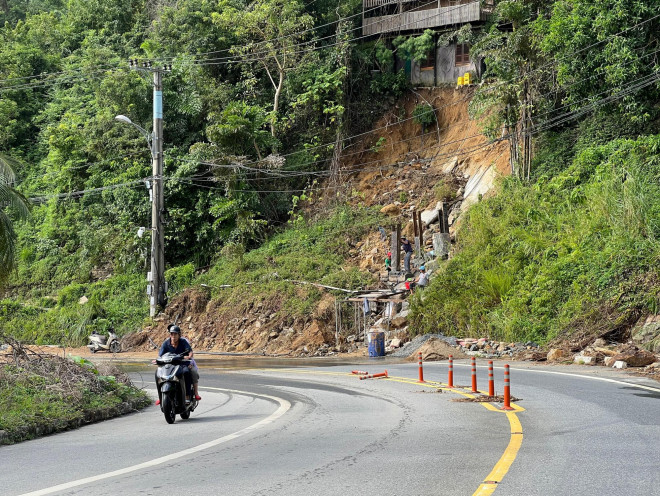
395 252
398 245
396 248
421 227
445 218
336 325
415 226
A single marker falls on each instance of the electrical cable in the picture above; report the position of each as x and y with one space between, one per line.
80 193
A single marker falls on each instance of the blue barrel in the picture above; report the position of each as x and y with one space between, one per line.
376 344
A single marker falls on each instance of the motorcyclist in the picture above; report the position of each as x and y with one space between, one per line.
178 345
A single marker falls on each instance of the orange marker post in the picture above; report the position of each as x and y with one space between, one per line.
359 372
474 375
382 374
450 380
491 382
421 370
507 390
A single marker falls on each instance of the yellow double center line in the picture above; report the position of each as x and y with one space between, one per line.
501 468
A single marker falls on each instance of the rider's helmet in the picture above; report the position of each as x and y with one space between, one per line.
173 328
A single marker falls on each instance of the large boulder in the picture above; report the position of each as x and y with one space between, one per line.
429 216
400 320
391 209
648 334
441 244
635 357
556 354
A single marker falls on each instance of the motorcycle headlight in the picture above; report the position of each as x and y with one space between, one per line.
167 373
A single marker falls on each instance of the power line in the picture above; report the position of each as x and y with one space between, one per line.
82 192
229 59
539 128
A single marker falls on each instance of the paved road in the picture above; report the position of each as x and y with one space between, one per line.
319 430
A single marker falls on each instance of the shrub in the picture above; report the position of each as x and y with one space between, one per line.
424 114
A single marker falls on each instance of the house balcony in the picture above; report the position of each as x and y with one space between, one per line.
417 15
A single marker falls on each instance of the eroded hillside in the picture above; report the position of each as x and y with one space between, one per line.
396 169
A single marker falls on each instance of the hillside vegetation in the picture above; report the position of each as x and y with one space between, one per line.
271 112
577 252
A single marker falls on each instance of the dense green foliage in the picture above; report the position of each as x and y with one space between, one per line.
534 261
576 247
249 119
13 200
114 302
260 97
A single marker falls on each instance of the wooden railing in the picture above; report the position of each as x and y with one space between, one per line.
423 19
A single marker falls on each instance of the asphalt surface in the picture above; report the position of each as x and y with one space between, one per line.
320 430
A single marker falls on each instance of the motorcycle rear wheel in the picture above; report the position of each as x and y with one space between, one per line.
167 405
115 347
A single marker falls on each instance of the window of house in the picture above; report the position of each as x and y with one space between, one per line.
429 63
462 54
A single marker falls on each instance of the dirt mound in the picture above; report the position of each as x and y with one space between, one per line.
434 350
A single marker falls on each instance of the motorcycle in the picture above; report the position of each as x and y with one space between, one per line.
171 385
101 342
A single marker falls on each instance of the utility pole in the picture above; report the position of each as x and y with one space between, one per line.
157 288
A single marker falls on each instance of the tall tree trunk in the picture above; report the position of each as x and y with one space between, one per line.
512 133
276 102
342 60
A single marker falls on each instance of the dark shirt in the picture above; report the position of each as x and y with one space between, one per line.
407 247
183 346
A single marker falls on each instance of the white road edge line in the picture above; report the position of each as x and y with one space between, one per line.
281 410
594 378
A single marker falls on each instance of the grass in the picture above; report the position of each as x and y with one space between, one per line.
534 261
311 251
308 250
44 394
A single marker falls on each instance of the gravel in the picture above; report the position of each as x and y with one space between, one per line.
413 345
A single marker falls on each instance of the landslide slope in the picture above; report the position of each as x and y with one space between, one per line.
261 301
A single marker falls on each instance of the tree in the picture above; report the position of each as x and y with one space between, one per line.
9 199
513 83
603 48
270 31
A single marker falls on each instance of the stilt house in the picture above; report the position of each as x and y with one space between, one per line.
391 18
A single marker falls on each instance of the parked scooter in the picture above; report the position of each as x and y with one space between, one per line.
171 385
101 342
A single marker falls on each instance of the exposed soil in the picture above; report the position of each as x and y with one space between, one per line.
406 170
401 174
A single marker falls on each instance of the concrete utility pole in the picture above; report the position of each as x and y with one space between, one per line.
157 288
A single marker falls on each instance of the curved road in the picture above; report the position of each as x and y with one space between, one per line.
320 430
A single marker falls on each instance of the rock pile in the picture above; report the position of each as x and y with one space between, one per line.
486 348
600 352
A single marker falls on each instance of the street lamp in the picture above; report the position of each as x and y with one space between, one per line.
157 288
148 136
